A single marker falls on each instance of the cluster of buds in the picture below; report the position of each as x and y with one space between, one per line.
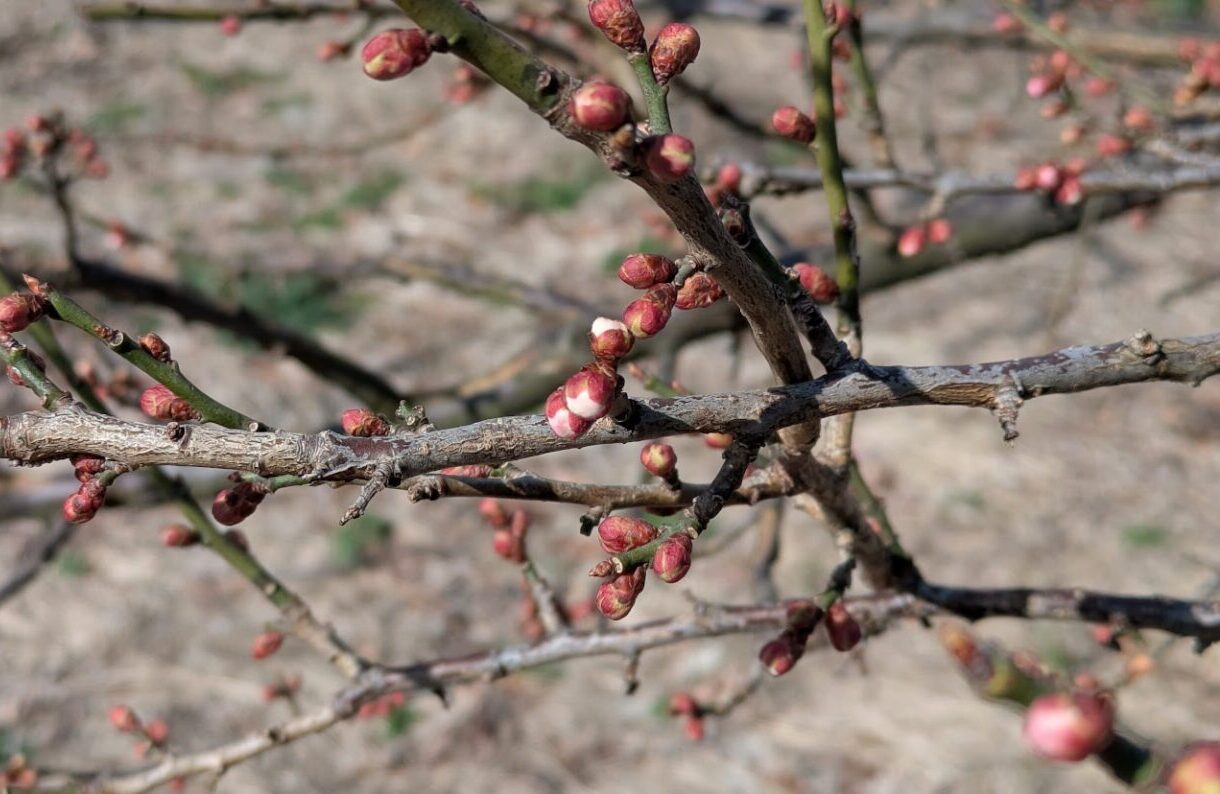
793 124
508 537
1069 726
125 720
1204 74
683 704
49 137
1050 74
1196 771
822 289
285 687
465 84
915 238
1060 181
363 422
18 310
234 505
266 644
158 402
782 653
84 503
395 53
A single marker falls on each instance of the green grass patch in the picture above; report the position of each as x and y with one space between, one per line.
219 83
1144 536
540 195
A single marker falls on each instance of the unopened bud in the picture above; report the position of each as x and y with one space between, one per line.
230 25
1048 177
646 270
563 422
842 628
939 231
124 719
17 311
395 53
659 460
718 440
621 23
1197 770
266 644
363 422
1069 727
617 596
83 505
1112 145
493 512
674 49
618 534
649 315
803 616
178 536
672 559
234 505
728 178
155 346
86 466
1039 85
698 291
693 728
794 125
610 339
912 241
781 654
156 731
822 289
669 157
600 106
590 392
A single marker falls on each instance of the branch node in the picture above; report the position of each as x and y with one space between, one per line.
1007 404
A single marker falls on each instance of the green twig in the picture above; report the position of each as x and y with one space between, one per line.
874 121
655 94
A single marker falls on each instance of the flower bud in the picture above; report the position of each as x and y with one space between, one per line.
672 559
1005 24
1071 192
649 315
17 311
600 106
683 703
803 616
781 654
1197 771
698 291
1112 145
693 728
155 346
646 270
178 536
363 422
718 440
266 644
842 628
674 49
1069 727
124 719
794 125
85 466
1048 177
617 596
155 401
509 545
1138 119
814 280
618 534
156 731
83 505
230 25
590 392
621 23
670 157
395 53
610 339
912 241
493 512
939 231
234 505
1039 85
563 422
659 460
728 178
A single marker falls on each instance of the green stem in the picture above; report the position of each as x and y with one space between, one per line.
655 94
874 122
18 358
166 373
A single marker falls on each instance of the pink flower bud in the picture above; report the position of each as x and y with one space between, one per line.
509 545
1005 24
610 339
83 505
1069 727
563 422
659 460
156 401
230 25
493 512
674 49
669 157
395 53
621 23
698 291
234 505
842 628
1112 145
123 718
156 731
617 596
1058 22
1197 771
814 280
85 466
645 270
1048 177
718 440
600 106
912 241
794 125
589 393
155 346
618 534
266 644
728 178
330 50
1138 119
17 311
781 654
672 559
939 231
178 536
649 315
1071 192
363 422
1039 85
693 728
684 704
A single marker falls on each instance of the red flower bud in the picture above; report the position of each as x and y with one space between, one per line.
600 106
17 311
659 460
266 644
718 440
230 25
124 719
610 339
509 545
157 401
363 422
617 596
693 728
698 291
649 315
842 628
178 536
1112 145
645 270
672 559
621 23
1069 727
1048 177
1071 192
814 280
563 422
781 654
618 534
83 505
939 231
589 393
156 731
912 241
683 703
674 49
493 512
1039 85
669 157
155 346
803 617
85 466
395 53
1138 118
1005 23
794 125
234 505
1197 771
728 178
